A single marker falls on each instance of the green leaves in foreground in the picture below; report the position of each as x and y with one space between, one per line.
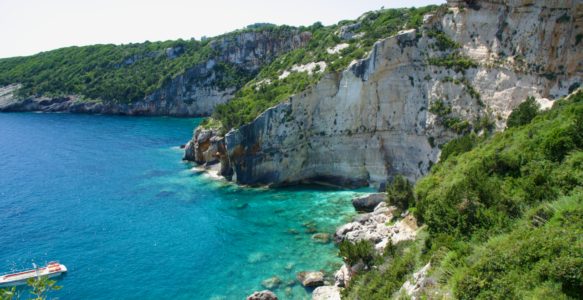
40 287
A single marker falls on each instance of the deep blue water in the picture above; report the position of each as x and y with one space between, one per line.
110 198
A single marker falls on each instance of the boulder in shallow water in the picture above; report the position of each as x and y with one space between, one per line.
271 283
289 292
321 238
308 278
368 202
265 295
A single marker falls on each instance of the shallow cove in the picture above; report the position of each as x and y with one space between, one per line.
111 199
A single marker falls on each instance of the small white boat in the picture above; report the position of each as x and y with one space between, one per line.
53 269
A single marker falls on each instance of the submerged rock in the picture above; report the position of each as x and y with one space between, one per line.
321 238
289 266
289 292
271 283
292 231
265 295
368 202
308 278
257 257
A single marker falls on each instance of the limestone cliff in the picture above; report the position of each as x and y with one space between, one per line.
190 94
378 118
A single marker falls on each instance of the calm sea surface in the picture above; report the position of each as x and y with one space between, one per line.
110 198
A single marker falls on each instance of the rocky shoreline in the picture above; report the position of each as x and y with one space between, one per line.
377 227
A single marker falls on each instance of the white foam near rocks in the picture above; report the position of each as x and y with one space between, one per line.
337 48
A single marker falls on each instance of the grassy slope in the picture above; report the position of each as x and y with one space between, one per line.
503 216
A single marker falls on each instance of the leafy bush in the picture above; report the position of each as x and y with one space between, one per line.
438 108
456 124
353 253
392 269
524 113
400 193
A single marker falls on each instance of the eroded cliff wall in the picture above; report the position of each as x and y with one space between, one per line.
372 121
190 94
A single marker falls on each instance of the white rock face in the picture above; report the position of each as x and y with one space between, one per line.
337 48
367 124
417 283
346 32
326 293
309 67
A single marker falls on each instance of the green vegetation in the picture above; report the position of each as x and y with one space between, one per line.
524 113
353 253
209 123
456 124
120 73
563 19
455 61
392 269
400 193
40 288
438 108
443 42
502 215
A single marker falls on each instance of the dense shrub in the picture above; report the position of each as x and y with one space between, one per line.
400 193
524 113
353 253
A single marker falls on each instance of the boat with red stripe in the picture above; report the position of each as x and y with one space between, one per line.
53 269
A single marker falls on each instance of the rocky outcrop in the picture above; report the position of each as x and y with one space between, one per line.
265 295
375 120
346 32
418 283
326 293
189 94
374 227
343 276
368 202
208 149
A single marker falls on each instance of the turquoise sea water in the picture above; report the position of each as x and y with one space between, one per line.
110 198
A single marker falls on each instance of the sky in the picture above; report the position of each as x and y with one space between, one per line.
32 26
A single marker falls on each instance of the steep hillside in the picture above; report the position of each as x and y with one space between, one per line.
179 78
501 217
462 71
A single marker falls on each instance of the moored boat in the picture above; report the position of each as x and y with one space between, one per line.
53 269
